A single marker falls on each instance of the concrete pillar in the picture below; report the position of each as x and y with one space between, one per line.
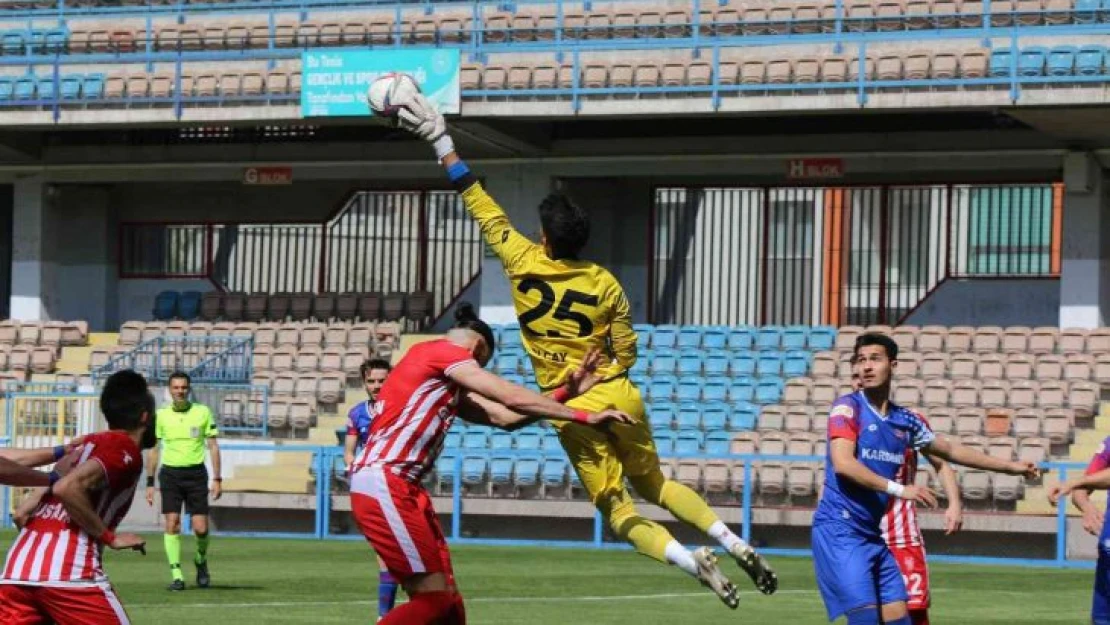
32 267
85 244
519 190
1085 246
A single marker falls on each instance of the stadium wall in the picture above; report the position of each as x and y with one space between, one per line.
991 302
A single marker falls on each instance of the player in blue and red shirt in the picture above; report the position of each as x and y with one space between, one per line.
373 373
1097 476
868 439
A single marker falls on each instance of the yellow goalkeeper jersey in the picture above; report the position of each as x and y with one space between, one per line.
565 307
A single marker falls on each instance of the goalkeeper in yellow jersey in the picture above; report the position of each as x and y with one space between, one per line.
566 307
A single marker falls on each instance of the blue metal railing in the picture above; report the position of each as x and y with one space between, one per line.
206 359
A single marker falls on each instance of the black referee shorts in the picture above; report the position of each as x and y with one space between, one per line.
184 485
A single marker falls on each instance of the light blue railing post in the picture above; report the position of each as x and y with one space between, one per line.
57 86
1062 522
838 25
6 518
456 500
559 30
1015 50
323 491
746 503
576 82
715 78
598 531
861 75
986 22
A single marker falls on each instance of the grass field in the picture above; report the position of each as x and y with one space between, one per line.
282 581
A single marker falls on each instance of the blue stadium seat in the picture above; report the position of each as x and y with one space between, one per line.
165 305
714 337
507 363
550 442
1086 11
822 338
93 87
663 387
665 336
1061 60
717 442
640 381
663 414
453 439
575 481
25 88
796 364
500 469
445 467
769 363
688 442
690 336
1032 61
526 471
663 361
743 416
500 440
7 88
715 389
664 442
510 338
474 469
689 389
475 438
714 416
1089 60
1000 63
716 362
795 337
554 471
768 391
768 337
689 416
54 40
741 389
690 362
643 335
188 305
44 89
13 41
527 440
742 364
641 366
741 339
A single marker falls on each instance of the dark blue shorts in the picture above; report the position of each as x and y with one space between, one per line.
1100 604
854 570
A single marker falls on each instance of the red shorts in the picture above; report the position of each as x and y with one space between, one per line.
69 605
398 519
911 561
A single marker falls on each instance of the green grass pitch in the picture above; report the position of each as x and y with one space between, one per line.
263 581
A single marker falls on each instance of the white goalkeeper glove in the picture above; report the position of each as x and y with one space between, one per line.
421 118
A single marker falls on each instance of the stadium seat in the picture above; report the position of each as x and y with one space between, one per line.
663 387
717 442
742 364
768 390
688 473
554 472
769 337
665 336
664 361
474 470
549 443
526 471
643 335
688 443
445 467
500 470
663 413
714 415
716 362
769 363
741 340
1000 63
741 389
527 440
689 416
500 441
795 364
772 419
475 439
794 337
1032 61
714 338
743 416
715 389
822 338
690 361
165 305
665 442
689 337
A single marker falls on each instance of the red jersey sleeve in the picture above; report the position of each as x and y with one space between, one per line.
844 420
444 356
1101 459
119 457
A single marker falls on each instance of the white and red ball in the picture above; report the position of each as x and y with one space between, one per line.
390 92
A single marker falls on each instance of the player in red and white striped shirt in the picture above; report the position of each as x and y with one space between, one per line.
435 382
53 573
902 534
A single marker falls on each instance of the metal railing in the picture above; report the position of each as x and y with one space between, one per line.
205 359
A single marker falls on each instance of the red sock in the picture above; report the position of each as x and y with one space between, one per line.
425 608
919 617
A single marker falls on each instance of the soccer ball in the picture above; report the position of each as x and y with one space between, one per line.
389 93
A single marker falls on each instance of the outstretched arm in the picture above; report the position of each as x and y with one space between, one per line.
945 448
954 515
74 491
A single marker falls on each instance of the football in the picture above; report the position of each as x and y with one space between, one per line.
388 93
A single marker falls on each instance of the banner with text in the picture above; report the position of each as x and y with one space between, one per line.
335 81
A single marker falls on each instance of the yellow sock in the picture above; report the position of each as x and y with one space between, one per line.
648 537
679 500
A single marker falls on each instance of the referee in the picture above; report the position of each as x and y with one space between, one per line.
184 429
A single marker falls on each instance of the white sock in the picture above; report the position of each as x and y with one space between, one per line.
722 534
681 557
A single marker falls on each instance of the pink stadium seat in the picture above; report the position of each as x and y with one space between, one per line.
1034 449
959 339
994 393
937 392
975 485
772 479
283 359
801 480
945 66
797 391
266 334
935 365
1008 487
1023 393
1083 398
1078 367
753 73
889 67
798 419
846 338
331 359
715 476
963 365
1053 394
1019 367
308 359
1027 423
942 420
1016 339
987 339
261 357
969 422
288 334
932 339
331 387
1098 341
1057 426
278 416
1072 340
1049 367
772 418
908 392
998 421
991 367
965 393
689 473
906 338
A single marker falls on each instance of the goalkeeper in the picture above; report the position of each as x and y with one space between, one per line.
566 307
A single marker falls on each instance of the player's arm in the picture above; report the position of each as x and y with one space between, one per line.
152 458
216 488
1081 496
954 452
40 456
349 443
75 490
14 474
523 401
621 335
27 507
954 515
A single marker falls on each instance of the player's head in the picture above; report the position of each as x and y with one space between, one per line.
857 384
874 358
566 228
128 405
473 333
180 385
373 373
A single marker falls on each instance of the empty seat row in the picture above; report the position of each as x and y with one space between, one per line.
327 388
46 333
722 362
276 412
367 306
1035 61
731 338
333 359
762 390
1009 366
1019 339
28 358
265 334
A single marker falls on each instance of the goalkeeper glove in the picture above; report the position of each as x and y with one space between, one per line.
421 118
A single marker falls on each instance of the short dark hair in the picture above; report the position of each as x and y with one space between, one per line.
370 364
124 399
875 338
466 318
565 226
181 375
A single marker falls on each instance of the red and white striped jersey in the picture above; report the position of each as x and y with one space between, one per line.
415 408
899 524
52 549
